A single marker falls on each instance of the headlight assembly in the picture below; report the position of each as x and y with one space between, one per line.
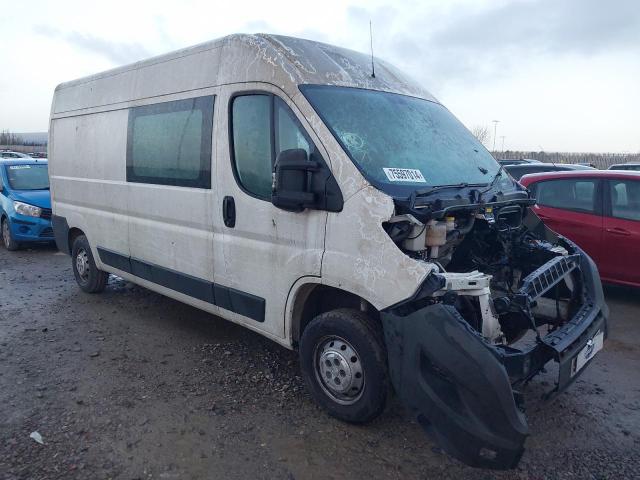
26 209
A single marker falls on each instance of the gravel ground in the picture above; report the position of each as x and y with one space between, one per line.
130 385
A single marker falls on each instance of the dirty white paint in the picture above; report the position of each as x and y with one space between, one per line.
270 250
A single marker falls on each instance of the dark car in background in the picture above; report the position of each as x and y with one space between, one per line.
25 202
634 167
597 209
517 161
517 171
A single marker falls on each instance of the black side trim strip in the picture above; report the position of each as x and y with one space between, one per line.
236 301
115 260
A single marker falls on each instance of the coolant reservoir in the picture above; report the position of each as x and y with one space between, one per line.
436 236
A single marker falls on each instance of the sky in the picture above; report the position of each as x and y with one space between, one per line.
559 75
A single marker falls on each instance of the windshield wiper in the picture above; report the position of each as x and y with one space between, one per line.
428 191
494 181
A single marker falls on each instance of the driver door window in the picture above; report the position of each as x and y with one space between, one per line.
262 126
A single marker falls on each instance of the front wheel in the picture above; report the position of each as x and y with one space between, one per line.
7 239
344 364
89 277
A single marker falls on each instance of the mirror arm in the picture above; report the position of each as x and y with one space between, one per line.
306 165
304 198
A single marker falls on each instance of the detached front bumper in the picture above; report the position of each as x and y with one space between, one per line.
464 390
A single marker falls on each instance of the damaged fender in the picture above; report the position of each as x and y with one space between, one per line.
458 390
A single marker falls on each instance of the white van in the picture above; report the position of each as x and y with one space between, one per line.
283 185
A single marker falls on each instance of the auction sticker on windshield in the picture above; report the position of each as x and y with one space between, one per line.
404 175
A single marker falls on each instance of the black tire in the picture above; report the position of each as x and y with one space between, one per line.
89 277
7 240
355 331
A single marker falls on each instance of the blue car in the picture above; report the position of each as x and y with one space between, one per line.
25 202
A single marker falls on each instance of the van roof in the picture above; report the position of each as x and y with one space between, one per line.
283 61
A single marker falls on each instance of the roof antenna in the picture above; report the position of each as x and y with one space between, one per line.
373 68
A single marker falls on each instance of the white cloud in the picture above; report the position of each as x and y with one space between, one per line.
559 75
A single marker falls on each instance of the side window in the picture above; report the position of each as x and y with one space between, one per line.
252 147
288 132
574 194
262 126
625 199
170 143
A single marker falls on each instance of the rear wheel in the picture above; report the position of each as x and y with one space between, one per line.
89 277
344 364
7 238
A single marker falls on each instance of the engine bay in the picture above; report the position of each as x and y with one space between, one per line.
488 256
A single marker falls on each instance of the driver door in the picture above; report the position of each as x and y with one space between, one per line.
264 249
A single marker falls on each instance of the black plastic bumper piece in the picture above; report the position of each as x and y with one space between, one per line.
456 386
564 343
461 388
61 233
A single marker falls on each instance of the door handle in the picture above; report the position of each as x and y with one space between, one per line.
619 231
543 217
229 211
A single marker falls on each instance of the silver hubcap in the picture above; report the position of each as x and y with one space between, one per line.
82 264
339 370
6 235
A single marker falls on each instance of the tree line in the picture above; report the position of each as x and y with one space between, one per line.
7 138
598 160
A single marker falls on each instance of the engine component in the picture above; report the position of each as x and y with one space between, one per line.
451 223
436 237
475 284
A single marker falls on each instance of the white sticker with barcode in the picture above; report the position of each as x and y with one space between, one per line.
404 175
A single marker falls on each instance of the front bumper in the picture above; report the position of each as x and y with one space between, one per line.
465 391
30 229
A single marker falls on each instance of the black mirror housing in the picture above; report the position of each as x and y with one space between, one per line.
291 180
301 182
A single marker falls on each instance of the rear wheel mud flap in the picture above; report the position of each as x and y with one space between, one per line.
458 390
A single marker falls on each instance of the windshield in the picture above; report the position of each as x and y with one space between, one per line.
28 177
401 143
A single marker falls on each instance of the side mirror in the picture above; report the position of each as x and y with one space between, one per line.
292 187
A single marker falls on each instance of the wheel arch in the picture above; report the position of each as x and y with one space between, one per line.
309 298
74 232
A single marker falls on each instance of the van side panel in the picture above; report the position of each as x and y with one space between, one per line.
173 227
87 175
163 77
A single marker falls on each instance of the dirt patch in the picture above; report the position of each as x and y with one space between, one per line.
129 384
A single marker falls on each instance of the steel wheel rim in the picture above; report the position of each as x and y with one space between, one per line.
338 369
82 264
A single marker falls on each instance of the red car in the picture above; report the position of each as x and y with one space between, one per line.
597 209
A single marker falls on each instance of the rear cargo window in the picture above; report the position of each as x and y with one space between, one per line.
578 195
170 143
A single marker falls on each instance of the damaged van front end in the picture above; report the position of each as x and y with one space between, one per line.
507 297
495 295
